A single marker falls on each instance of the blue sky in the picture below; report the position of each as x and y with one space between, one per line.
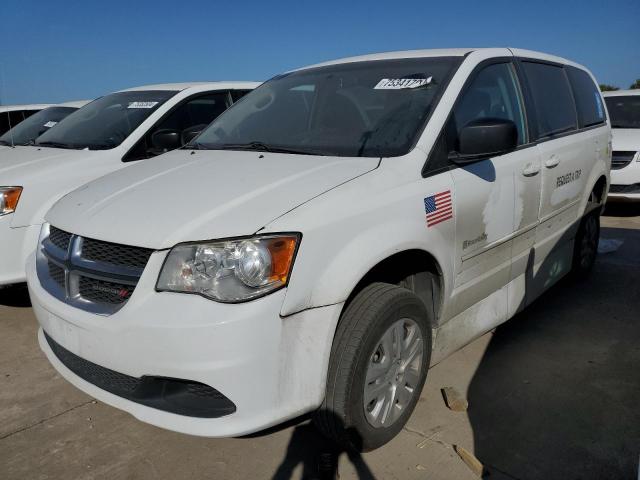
56 51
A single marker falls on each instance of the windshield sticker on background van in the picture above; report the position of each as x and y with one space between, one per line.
401 83
49 124
142 104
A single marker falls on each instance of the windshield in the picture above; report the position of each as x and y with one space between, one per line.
370 109
624 111
105 123
27 131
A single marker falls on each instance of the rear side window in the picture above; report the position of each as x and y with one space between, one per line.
552 99
587 96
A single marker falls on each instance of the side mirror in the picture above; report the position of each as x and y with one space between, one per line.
192 132
166 139
483 138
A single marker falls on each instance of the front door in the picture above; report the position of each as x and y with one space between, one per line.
497 198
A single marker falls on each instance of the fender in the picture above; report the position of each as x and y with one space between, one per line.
598 171
340 245
335 283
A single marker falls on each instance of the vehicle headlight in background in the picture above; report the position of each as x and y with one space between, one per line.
9 197
232 270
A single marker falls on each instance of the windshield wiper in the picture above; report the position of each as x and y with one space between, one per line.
97 147
257 146
57 145
261 147
617 125
4 142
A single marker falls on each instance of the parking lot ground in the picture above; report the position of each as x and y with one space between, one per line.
553 394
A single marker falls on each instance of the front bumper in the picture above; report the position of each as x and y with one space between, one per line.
271 368
17 244
625 182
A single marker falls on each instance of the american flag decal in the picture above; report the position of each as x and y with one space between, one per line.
438 208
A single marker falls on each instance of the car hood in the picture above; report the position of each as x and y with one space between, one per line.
19 165
626 139
46 174
199 195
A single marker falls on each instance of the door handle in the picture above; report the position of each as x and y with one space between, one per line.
552 161
531 170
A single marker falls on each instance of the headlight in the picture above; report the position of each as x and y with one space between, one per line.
231 271
9 197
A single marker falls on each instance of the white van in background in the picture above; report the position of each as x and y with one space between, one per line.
28 130
325 241
12 115
107 134
624 111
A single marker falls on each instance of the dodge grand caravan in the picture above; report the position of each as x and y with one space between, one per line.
107 134
28 130
624 110
326 240
12 115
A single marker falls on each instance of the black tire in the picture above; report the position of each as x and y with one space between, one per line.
366 319
585 249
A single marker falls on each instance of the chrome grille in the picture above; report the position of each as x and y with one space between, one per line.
59 238
56 273
122 255
90 274
621 159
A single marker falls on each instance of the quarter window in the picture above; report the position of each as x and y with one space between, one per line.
5 123
238 94
554 106
587 96
16 117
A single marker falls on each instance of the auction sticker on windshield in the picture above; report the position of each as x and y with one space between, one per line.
142 104
399 83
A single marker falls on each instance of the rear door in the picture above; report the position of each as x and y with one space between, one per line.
568 153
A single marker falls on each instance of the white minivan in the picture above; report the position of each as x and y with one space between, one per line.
26 132
624 112
12 115
326 240
109 133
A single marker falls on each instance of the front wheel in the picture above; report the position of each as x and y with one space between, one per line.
378 366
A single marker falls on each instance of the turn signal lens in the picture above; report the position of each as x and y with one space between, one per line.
282 250
9 197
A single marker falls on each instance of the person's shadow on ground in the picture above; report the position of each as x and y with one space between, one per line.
15 296
318 456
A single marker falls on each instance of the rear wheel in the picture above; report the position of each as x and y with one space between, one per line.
585 248
377 369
